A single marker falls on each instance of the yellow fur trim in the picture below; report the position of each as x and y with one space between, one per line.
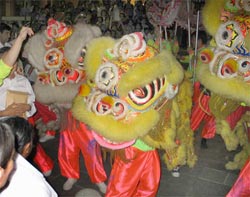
241 133
112 129
163 135
229 137
211 15
239 159
175 157
184 133
95 52
144 72
84 90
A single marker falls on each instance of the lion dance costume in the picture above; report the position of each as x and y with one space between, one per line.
224 69
133 100
59 62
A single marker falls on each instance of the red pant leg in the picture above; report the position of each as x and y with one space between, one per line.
91 153
197 91
139 177
68 155
150 177
241 187
199 110
42 160
73 139
209 128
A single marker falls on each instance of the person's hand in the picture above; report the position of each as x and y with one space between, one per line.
16 109
25 31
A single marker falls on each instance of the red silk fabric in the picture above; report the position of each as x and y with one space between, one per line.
197 91
234 117
41 159
44 112
202 114
241 187
139 177
76 138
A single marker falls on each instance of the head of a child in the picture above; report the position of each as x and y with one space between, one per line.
23 132
7 152
5 33
201 39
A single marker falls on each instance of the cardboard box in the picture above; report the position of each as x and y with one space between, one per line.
13 96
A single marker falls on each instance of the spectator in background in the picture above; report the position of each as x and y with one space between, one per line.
5 33
202 40
7 150
15 28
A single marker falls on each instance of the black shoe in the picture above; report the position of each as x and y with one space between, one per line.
204 143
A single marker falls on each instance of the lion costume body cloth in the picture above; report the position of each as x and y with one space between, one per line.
224 69
135 100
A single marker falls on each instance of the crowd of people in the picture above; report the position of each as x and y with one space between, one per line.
114 18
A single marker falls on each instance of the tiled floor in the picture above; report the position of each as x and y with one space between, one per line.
208 177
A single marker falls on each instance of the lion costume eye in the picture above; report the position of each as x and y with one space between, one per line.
244 68
53 58
57 77
81 57
144 97
206 55
228 66
244 65
119 109
83 52
140 96
229 36
100 103
107 76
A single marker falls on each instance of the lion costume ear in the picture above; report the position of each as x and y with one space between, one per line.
82 34
34 53
95 52
211 15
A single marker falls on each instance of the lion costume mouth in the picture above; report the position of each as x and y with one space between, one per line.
111 145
